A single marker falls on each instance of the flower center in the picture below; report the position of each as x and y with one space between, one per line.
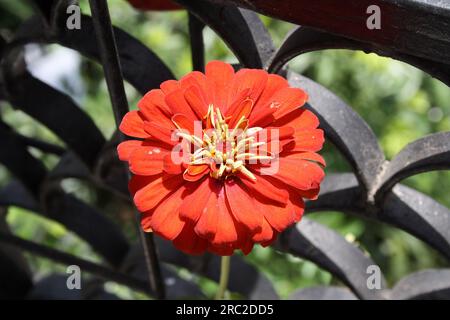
226 150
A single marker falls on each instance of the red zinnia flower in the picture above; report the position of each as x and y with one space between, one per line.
154 4
247 152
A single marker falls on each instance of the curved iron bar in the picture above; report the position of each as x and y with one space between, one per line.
129 274
303 39
141 67
420 27
427 284
62 115
253 47
45 147
15 275
196 28
17 159
68 259
329 250
75 215
419 215
428 153
403 207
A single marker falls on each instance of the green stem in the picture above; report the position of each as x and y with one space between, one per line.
224 275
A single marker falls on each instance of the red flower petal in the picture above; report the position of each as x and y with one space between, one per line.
312 156
243 109
252 79
170 167
282 132
220 74
154 103
261 110
283 102
226 232
207 224
136 183
244 242
236 105
178 104
197 79
276 141
216 223
133 125
288 100
169 86
246 246
160 133
125 148
299 119
310 140
182 122
309 194
299 173
149 196
165 219
195 172
195 202
282 217
269 242
242 206
266 233
147 160
273 85
196 101
267 188
189 242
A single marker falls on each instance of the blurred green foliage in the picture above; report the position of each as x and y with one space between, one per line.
399 102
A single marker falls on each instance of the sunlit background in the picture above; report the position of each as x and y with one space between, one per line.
399 102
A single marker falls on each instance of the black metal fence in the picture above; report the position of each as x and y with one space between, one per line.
416 32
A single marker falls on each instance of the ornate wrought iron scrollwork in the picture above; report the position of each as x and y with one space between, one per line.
373 190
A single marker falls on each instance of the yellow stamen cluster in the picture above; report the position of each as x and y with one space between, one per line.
225 149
